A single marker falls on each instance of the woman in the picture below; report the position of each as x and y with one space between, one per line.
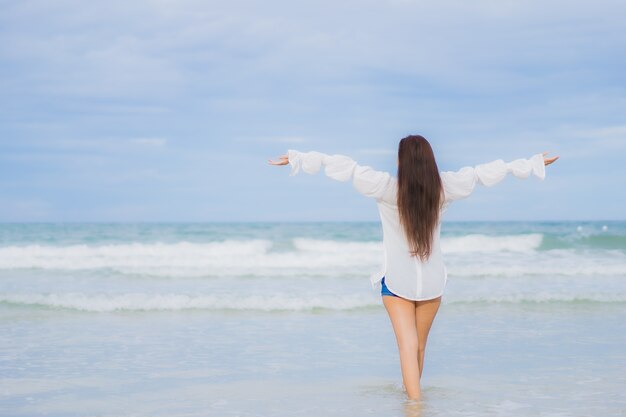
413 276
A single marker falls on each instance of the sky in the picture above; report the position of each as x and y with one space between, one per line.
146 111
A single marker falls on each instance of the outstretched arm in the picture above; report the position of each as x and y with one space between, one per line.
366 180
460 184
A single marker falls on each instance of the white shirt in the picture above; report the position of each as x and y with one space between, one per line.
405 275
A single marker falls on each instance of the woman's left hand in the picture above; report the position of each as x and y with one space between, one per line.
282 160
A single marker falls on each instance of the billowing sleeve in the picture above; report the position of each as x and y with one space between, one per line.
460 184
365 180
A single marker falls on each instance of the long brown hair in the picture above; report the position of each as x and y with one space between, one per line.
419 193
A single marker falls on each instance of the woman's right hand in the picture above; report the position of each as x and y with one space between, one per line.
282 160
548 161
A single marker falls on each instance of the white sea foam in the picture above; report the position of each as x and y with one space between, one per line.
335 246
144 301
537 267
544 297
466 256
512 256
276 302
243 256
228 258
131 254
483 243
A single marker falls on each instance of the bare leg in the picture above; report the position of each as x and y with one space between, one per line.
402 315
425 312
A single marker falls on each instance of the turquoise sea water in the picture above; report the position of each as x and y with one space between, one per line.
269 319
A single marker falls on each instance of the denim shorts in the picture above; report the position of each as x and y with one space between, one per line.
384 290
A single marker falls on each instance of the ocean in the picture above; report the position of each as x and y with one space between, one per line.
280 319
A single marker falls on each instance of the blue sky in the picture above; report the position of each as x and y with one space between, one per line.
168 110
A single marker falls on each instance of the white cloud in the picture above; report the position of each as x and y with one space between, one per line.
32 209
85 83
275 139
382 152
105 144
165 49
140 175
154 142
612 135
85 152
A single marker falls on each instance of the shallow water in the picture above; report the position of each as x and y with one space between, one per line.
139 320
494 360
